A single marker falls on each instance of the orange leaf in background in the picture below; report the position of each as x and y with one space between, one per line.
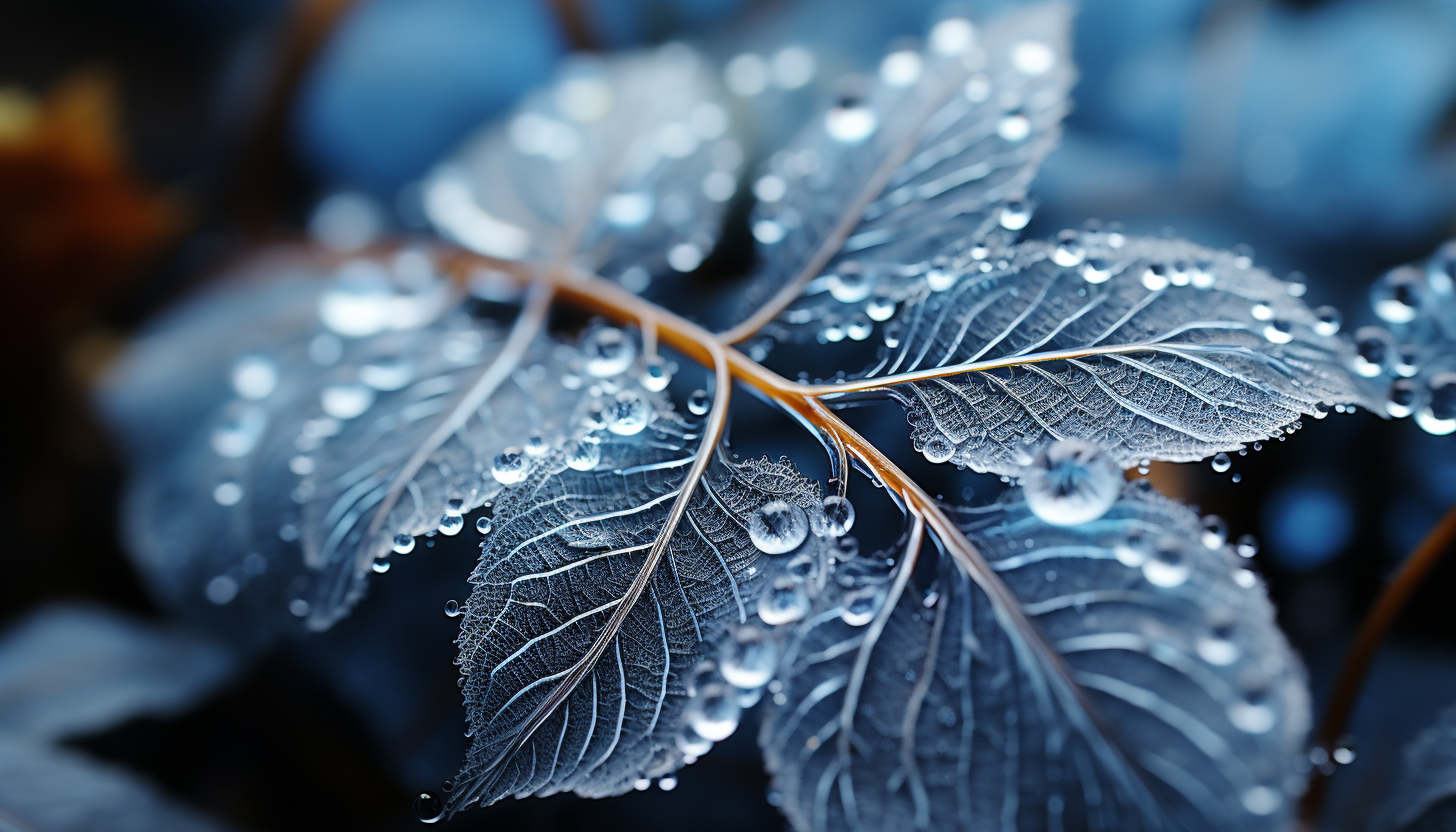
75 223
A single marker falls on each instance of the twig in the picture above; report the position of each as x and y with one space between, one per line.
1437 542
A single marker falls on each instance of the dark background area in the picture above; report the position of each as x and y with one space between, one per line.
208 162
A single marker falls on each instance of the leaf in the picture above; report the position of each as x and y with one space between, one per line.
933 151
71 670
622 167
1425 799
1417 357
1171 700
58 790
1150 348
278 423
566 548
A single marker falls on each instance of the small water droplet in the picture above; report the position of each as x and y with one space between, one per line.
608 352
451 524
403 544
849 285
510 466
1168 567
454 505
713 712
1438 415
227 493
938 449
452 608
840 513
783 602
1327 320
1071 482
536 445
1221 462
1373 349
667 783
1155 277
699 403
346 401
1215 531
749 659
1399 294
584 455
656 374
629 414
1262 800
254 377
778 527
1279 331
860 605
880 308
851 122
483 525
1015 215
380 565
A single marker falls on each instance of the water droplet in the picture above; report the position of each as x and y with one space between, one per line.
584 456
536 445
880 308
1071 482
1279 331
608 352
388 373
1252 717
1248 546
938 280
749 659
1032 57
452 608
1215 531
713 712
1155 277
1015 215
1399 294
227 493
849 286
1014 127
1327 320
840 513
254 377
699 403
221 589
1262 800
1401 399
346 401
938 449
1438 415
952 36
1373 348
858 327
783 602
380 565
1168 566
483 525
778 527
1069 252
655 374
403 544
851 122
1407 361
451 524
1221 462
860 605
238 436
667 783
429 808
1217 649
298 607
510 466
1096 270
629 414
455 505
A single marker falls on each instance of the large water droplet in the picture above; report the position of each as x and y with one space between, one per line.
254 377
713 712
1096 270
1015 215
778 527
451 524
608 352
1168 566
840 513
749 659
584 455
938 449
629 414
403 544
1399 294
428 807
783 602
1438 415
510 466
1071 482
1279 331
1400 401
1221 462
346 401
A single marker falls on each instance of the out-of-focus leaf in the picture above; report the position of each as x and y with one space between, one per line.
1425 800
1133 678
68 670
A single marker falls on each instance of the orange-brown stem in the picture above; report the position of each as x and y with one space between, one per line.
1372 632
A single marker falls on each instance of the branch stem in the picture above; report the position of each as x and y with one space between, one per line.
1437 542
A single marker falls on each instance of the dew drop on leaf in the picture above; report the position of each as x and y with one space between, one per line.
1215 531
428 807
483 525
1071 482
1397 295
403 544
860 605
1248 546
1015 215
509 466
346 401
1221 462
655 374
778 527
452 608
451 524
536 445
608 351
1096 270
1327 320
254 377
699 403
629 414
714 712
1168 567
840 513
749 659
938 449
783 602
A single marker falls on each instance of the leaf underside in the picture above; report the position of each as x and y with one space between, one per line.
565 547
1172 372
960 724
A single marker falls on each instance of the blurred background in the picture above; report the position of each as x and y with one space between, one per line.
147 145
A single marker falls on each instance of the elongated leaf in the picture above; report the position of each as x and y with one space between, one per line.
1425 799
1171 700
622 166
566 547
67 671
306 401
1150 348
930 152
45 789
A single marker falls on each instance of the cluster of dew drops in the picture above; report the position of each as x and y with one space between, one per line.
1417 304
